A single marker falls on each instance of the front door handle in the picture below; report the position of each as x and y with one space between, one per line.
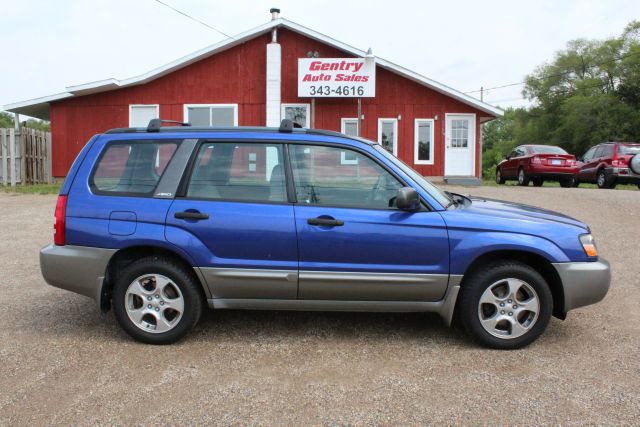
193 215
327 222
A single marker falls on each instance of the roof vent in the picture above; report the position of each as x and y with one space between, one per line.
275 13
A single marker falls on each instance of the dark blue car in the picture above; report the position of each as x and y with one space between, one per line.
155 222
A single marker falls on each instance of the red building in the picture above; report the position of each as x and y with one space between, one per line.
251 80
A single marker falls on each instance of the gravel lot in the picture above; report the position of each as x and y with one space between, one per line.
63 362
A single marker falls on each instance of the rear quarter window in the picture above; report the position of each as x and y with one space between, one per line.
131 167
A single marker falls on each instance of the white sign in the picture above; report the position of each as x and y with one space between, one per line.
336 77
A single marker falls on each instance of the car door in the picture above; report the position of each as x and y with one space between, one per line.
234 219
591 159
353 244
513 162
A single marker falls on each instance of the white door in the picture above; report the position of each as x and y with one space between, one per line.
460 143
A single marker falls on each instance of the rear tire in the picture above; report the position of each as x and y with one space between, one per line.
603 182
569 182
505 305
156 300
538 182
499 178
523 179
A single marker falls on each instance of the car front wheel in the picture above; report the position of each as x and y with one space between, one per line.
156 300
506 305
499 177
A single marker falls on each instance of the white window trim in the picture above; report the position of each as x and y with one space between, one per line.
132 106
185 113
416 159
395 132
343 125
307 106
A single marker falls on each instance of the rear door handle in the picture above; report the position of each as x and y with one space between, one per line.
193 215
327 222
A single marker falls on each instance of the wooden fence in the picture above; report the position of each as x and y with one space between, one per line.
25 156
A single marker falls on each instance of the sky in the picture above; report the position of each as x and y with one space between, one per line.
49 45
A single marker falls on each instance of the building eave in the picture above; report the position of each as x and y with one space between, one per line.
39 107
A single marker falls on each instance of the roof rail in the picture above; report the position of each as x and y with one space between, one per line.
155 124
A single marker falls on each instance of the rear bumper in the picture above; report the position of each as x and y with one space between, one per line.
584 283
79 269
553 172
622 175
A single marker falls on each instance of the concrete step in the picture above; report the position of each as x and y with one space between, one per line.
463 180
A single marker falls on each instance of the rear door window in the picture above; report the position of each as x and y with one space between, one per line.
239 172
132 167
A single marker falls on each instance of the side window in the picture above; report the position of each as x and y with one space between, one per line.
599 152
238 171
589 154
520 151
131 167
322 179
607 150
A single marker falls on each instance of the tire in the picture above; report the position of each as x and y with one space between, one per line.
493 325
569 182
156 292
523 179
537 182
499 179
602 181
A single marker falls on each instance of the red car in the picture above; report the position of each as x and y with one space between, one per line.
538 163
607 164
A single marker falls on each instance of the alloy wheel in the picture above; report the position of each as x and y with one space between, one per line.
508 308
154 303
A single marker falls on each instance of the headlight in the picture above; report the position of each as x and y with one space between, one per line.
589 245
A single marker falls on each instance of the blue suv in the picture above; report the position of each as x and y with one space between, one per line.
155 222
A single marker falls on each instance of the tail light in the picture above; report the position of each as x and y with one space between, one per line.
571 162
536 160
618 163
59 226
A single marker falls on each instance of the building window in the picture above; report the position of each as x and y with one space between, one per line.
388 135
423 140
223 115
141 114
460 133
297 113
349 127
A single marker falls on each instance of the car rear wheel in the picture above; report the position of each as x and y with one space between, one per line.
602 181
499 178
537 182
523 179
156 300
506 305
568 182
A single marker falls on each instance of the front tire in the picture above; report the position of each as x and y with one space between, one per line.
506 305
499 178
156 300
523 179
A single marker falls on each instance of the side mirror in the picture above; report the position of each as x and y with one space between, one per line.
509 157
407 199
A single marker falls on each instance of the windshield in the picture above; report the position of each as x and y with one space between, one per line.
629 149
547 149
434 191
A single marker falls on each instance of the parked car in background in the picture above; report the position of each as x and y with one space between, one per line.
538 163
607 164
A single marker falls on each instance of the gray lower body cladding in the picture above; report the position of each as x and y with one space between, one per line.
583 283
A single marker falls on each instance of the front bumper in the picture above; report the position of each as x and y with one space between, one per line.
583 283
79 269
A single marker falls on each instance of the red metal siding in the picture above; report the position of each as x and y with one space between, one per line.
237 76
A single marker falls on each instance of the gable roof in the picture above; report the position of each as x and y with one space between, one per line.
39 107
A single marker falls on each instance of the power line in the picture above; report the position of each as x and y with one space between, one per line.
193 19
564 73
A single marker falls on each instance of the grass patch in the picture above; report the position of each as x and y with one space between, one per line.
32 189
